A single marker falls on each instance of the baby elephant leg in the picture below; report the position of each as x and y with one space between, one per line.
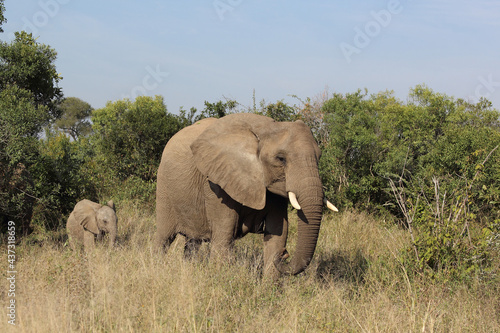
88 240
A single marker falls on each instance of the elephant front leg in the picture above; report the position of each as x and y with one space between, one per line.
275 235
222 216
223 234
88 240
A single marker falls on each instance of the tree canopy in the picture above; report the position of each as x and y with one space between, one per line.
2 17
75 117
129 136
30 65
28 100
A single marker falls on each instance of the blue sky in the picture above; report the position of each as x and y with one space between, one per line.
192 51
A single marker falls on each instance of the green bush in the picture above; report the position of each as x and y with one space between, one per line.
432 162
279 111
449 241
62 178
20 122
28 96
353 149
137 190
129 137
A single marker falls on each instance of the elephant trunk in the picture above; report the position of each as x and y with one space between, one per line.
309 193
112 237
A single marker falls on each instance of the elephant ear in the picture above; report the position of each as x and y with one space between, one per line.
85 214
227 153
111 204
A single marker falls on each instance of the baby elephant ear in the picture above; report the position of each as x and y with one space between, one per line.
111 204
85 214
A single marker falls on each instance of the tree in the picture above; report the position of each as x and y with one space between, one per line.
432 162
2 17
352 150
218 109
30 65
129 137
62 175
74 119
279 111
20 122
375 138
311 112
28 99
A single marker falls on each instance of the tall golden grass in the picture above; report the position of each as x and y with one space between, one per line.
356 283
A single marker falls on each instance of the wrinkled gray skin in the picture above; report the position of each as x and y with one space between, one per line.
220 179
90 221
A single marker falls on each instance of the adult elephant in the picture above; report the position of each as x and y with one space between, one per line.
220 179
90 221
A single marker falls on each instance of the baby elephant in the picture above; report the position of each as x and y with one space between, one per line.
90 220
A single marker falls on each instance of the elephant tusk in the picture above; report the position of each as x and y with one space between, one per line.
330 205
293 200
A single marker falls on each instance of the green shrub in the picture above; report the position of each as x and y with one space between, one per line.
62 178
452 236
129 137
432 162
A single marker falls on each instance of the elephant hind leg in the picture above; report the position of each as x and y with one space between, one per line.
165 226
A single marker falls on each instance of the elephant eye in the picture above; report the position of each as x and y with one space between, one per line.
281 159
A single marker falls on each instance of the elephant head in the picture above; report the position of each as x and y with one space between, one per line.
248 155
98 219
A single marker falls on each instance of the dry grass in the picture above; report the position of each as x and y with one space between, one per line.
355 284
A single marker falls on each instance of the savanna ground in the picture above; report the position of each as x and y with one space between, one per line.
356 283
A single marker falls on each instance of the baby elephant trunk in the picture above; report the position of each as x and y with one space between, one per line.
112 237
